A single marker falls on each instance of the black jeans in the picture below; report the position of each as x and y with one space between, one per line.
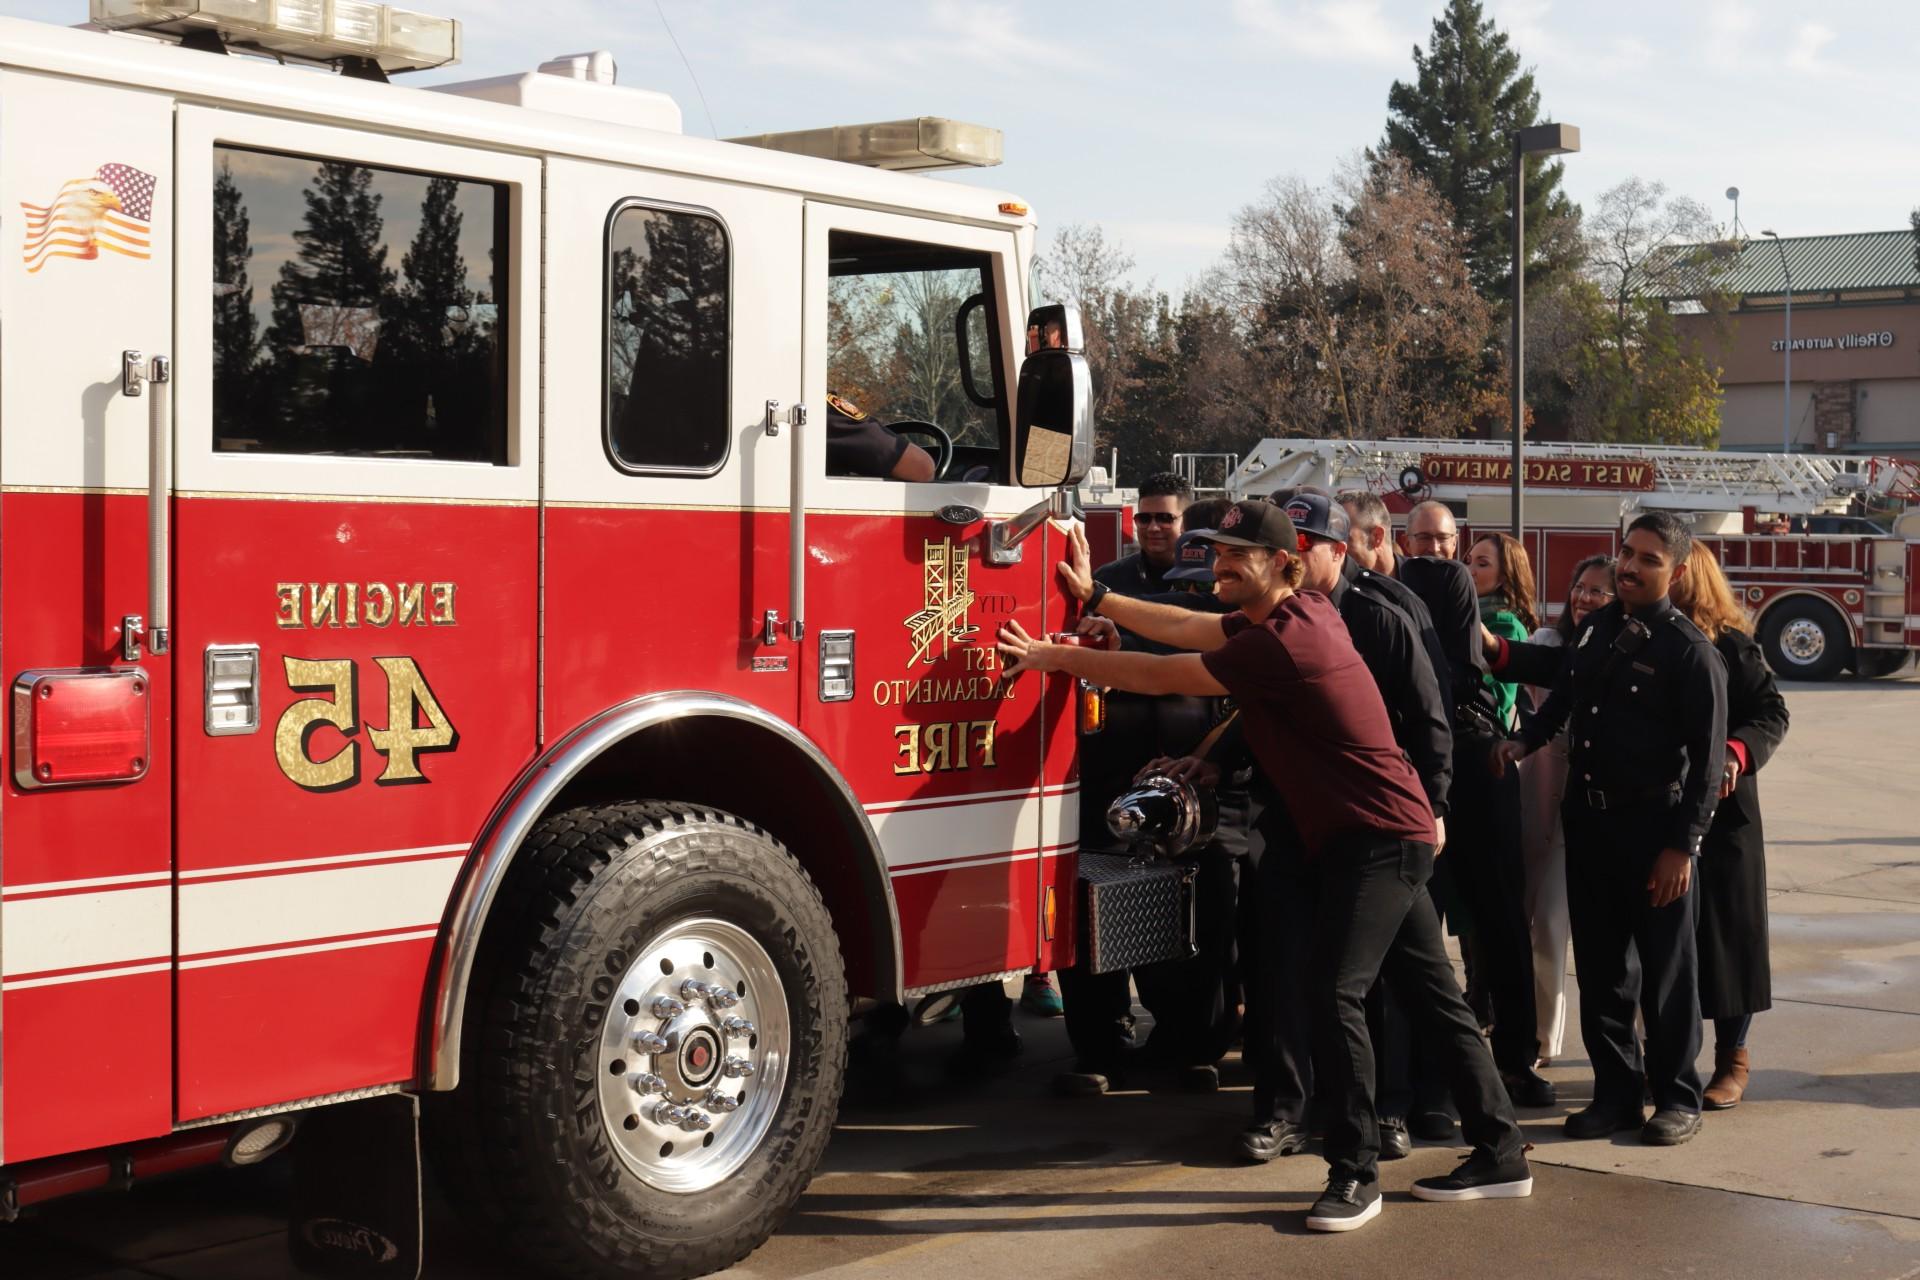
1627 954
1372 920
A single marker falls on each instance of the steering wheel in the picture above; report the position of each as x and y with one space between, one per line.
943 453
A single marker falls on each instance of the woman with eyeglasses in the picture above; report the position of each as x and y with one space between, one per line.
1736 977
1543 844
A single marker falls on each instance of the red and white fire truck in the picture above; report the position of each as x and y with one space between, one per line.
1823 601
446 657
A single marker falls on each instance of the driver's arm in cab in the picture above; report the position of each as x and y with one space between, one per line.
859 446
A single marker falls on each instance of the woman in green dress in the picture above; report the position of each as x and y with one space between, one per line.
1503 579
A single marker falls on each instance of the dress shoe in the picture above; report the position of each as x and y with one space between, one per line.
1598 1121
1203 1078
984 1056
1529 1088
1262 1142
1430 1125
1394 1142
1670 1127
1729 1081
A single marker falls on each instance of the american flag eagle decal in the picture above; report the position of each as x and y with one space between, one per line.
111 211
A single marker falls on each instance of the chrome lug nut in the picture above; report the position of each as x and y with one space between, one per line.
664 1007
666 1113
645 1082
736 1068
649 1042
737 1026
695 1121
693 989
721 1102
721 998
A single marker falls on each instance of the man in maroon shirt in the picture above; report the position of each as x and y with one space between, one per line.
1315 722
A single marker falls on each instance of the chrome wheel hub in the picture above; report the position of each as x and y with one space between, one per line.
694 1055
1803 641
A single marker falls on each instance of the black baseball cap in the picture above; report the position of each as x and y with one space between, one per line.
1254 523
1315 513
1192 558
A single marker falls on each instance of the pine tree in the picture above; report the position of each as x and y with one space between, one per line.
236 331
338 279
1455 123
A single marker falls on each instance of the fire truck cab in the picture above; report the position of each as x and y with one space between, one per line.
459 639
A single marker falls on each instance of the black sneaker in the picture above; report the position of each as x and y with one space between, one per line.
1598 1121
1394 1142
1479 1177
1262 1142
1529 1088
1345 1204
1670 1127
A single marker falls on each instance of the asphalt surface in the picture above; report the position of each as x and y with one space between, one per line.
1817 1174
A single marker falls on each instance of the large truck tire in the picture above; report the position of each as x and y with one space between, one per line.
654 1049
1805 639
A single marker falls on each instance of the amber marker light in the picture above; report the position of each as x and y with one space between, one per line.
1014 208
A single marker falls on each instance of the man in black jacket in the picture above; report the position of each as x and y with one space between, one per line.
1645 696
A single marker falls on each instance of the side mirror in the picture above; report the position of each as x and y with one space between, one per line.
1053 424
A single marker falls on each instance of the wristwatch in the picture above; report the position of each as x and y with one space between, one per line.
1100 590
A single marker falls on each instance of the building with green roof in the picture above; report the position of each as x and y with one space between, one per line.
1856 341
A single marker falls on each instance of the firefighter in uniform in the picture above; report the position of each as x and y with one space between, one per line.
1645 696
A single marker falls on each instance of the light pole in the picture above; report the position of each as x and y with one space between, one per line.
1786 402
1535 140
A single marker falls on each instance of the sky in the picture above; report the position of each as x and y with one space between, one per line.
1158 121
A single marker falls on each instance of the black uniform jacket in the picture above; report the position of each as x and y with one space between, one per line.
1757 720
1386 621
1132 575
1645 701
1445 588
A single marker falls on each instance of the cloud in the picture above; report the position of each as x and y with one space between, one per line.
1808 40
1729 23
1526 22
1326 30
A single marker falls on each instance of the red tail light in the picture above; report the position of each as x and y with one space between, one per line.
71 728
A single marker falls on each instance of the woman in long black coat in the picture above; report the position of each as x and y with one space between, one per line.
1736 976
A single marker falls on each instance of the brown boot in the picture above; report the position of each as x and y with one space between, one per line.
1729 1081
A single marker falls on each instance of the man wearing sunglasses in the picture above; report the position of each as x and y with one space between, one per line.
1156 528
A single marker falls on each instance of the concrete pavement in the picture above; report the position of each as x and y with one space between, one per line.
1814 1176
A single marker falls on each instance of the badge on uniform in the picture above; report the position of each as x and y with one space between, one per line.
845 407
1584 637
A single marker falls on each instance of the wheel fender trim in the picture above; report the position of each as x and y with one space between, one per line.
530 797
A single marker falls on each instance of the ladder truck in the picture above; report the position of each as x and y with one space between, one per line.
1829 589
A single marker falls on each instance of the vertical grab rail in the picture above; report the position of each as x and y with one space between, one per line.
159 500
797 524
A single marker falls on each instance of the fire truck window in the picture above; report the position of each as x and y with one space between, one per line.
357 311
667 341
895 344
